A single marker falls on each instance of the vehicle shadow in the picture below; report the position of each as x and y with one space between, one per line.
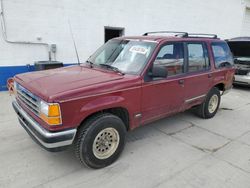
168 126
164 127
242 87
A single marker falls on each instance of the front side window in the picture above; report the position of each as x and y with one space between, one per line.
197 57
171 57
129 56
222 55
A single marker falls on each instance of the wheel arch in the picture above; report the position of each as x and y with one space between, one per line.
220 86
120 112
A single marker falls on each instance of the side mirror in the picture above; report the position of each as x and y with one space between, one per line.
158 72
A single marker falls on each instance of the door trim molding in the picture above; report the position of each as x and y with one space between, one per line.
194 98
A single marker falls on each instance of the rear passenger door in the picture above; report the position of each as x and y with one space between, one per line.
198 78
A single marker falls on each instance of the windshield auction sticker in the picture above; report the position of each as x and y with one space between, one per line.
138 49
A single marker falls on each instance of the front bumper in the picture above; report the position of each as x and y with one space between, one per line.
51 141
242 79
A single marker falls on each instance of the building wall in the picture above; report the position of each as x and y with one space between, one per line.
48 20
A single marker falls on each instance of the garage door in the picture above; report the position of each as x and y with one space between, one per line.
246 23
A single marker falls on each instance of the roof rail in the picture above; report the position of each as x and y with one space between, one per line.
177 33
201 35
185 34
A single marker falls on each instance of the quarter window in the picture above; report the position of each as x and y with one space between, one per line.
171 57
197 57
222 55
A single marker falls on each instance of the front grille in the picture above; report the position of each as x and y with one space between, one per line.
241 72
29 99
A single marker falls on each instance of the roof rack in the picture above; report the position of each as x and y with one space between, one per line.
184 34
202 35
177 33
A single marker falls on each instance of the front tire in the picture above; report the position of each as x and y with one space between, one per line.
210 106
100 140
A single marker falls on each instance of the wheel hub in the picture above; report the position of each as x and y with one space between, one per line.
213 104
106 143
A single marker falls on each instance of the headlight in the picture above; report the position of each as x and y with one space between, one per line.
50 113
15 85
44 108
15 88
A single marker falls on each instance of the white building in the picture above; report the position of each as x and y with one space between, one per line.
48 21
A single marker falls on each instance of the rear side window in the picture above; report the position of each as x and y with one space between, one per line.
222 55
197 57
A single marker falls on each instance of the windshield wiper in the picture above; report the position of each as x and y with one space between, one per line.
108 66
90 63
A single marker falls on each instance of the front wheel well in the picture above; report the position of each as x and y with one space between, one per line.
121 112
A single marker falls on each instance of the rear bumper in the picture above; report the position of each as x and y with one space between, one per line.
51 141
242 79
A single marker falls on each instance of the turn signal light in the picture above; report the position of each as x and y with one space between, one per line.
51 120
50 113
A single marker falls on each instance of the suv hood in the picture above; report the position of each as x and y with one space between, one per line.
51 82
240 48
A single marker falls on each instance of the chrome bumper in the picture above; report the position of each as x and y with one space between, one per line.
242 79
52 141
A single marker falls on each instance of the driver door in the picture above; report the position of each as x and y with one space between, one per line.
164 96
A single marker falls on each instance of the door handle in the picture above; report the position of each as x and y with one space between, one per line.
181 82
209 75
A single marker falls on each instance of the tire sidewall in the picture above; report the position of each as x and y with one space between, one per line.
98 125
212 92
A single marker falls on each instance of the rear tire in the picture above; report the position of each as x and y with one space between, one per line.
210 106
100 140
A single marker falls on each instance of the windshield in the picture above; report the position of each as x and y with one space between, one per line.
127 56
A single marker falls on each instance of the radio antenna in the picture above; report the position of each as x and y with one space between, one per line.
72 36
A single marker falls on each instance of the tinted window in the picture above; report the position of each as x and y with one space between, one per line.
171 56
197 57
222 54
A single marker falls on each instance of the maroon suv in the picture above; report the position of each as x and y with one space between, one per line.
126 83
